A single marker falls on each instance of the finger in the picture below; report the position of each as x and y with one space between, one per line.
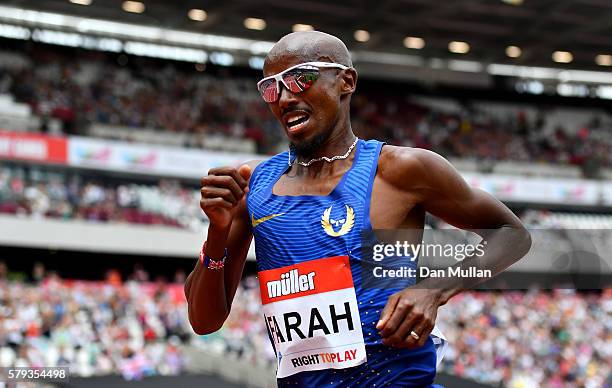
426 330
395 320
225 182
209 203
245 171
422 328
229 171
399 337
386 313
213 192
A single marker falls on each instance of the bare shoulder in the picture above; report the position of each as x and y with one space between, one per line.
407 167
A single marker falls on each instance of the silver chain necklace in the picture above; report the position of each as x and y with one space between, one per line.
325 158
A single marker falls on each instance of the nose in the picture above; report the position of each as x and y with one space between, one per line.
285 97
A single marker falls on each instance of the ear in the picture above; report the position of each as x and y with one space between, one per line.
348 81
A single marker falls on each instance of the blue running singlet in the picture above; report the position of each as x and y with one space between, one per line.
320 318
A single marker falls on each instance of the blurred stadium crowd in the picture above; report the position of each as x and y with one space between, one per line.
94 327
136 328
529 339
36 193
96 90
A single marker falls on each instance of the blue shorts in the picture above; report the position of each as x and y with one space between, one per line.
386 367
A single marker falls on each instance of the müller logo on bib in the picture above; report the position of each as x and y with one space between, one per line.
290 283
311 313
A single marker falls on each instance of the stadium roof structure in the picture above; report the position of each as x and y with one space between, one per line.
537 27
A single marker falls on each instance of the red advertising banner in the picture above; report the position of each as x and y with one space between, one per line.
34 147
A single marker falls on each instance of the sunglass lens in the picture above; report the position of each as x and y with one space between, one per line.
268 90
299 80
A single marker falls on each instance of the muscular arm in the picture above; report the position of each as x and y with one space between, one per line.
210 293
441 191
431 182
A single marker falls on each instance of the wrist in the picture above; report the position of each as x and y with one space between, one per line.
215 230
216 241
444 295
440 293
210 263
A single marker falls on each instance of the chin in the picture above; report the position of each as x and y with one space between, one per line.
308 144
301 137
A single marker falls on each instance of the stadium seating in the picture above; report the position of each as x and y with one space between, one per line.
95 328
557 338
169 105
59 195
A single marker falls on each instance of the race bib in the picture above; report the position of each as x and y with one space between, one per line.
311 314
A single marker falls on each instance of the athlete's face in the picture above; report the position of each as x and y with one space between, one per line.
317 109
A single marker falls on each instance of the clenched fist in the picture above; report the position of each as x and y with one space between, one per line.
223 190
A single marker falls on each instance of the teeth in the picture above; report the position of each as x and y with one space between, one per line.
294 119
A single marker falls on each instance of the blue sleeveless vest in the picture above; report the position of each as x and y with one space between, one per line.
294 229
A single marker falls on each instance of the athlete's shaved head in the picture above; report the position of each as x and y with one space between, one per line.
310 46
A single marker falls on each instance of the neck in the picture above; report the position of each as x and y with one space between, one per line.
337 144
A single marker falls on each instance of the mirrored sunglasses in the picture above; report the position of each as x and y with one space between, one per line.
296 79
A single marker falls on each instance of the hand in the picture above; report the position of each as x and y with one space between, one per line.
412 309
222 191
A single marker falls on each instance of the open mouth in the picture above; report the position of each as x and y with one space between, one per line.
296 121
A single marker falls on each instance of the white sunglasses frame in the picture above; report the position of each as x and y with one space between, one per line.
279 76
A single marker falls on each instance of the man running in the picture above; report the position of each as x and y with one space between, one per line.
307 209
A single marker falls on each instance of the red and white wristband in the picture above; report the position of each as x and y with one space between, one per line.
210 263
